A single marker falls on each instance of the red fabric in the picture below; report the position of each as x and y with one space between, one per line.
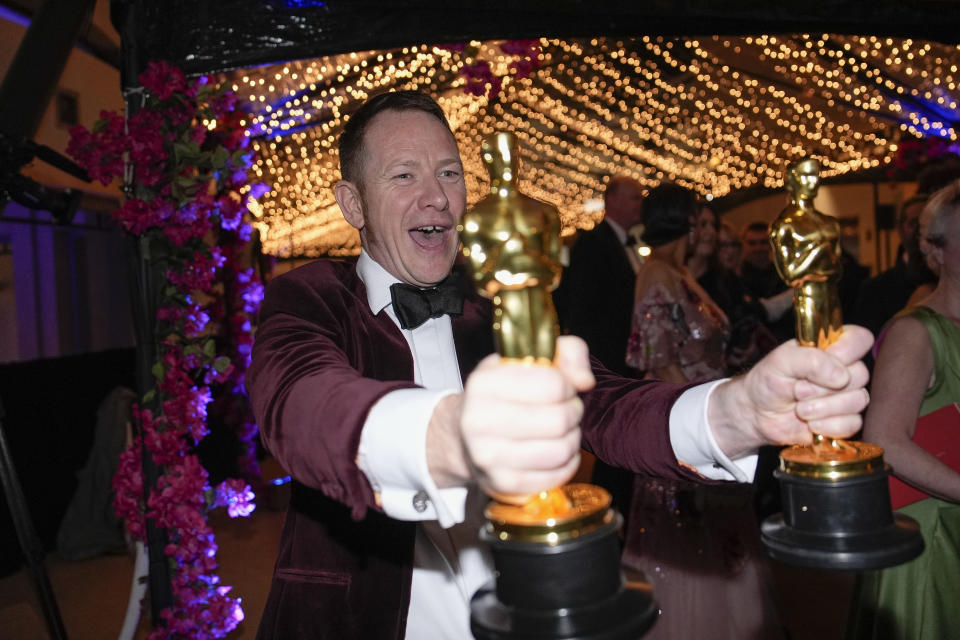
936 433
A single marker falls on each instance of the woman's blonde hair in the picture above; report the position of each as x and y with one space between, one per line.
942 206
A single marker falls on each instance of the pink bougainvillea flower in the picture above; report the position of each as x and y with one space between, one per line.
520 47
237 496
100 152
162 80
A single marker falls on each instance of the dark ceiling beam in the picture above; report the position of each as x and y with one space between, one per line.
206 36
92 40
36 67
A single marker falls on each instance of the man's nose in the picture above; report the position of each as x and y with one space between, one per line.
433 195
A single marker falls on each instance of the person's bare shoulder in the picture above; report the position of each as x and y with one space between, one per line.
905 339
656 272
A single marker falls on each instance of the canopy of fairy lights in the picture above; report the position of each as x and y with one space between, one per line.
716 114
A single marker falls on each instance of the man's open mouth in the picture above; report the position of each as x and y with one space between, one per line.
429 236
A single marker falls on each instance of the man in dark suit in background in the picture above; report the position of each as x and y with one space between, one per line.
595 301
760 277
595 296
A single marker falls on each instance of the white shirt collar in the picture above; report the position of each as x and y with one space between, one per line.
617 229
377 280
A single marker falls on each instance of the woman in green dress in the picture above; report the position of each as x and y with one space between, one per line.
918 373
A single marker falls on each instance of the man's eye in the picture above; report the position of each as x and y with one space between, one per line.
449 173
403 176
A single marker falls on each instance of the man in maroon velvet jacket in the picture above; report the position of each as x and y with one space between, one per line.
393 426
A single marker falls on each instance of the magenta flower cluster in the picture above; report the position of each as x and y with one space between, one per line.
188 151
239 305
478 73
481 80
913 155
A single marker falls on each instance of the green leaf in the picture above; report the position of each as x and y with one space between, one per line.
204 91
187 151
149 396
180 151
221 364
219 158
158 371
209 348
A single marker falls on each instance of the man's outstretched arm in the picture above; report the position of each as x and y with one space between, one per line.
516 430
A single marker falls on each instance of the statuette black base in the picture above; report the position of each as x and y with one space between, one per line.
840 524
574 590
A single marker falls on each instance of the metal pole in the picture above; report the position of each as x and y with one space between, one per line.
148 275
29 541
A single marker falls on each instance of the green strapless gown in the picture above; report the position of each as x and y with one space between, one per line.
920 600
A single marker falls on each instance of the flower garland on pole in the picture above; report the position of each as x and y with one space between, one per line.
184 158
238 305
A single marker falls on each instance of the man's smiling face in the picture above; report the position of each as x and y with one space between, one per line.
411 198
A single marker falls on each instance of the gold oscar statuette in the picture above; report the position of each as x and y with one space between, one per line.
512 242
556 554
806 247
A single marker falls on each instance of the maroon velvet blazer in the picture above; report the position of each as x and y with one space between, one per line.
320 361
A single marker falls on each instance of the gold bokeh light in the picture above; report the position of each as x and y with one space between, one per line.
715 114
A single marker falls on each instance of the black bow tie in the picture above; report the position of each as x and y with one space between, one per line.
414 305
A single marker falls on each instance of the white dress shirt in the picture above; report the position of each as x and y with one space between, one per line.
450 563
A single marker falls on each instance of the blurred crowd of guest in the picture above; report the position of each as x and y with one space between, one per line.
699 542
703 301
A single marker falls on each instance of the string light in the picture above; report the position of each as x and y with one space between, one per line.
715 114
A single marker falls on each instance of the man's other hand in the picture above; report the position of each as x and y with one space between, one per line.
793 393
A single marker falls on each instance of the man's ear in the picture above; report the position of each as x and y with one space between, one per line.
351 204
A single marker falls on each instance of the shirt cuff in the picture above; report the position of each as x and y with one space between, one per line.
693 442
393 456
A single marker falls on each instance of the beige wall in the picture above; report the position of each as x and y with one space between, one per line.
856 201
97 86
63 288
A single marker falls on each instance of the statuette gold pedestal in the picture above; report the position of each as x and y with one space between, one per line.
836 500
557 554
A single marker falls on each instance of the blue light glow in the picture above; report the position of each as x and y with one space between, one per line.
8 14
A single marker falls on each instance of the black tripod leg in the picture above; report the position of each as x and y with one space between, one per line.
27 536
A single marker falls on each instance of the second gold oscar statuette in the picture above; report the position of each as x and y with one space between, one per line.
835 497
806 246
